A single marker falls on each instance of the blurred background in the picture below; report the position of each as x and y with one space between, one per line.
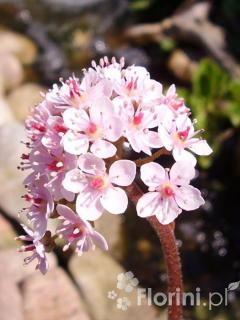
194 44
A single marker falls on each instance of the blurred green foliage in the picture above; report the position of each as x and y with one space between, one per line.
215 103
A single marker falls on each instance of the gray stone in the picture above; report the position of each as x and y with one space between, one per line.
51 297
11 179
23 98
11 70
110 226
96 274
19 45
6 114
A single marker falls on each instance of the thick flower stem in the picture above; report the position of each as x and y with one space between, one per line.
166 235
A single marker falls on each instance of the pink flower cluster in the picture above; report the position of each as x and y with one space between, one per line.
77 136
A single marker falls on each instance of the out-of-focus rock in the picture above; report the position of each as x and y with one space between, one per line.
10 299
111 227
96 275
7 234
71 6
23 98
182 66
52 297
6 114
11 70
12 274
22 47
11 179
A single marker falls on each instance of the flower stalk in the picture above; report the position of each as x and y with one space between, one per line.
166 236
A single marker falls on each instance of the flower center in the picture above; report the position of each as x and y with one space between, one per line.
177 103
77 232
183 135
167 190
55 165
93 130
98 183
39 127
60 128
137 119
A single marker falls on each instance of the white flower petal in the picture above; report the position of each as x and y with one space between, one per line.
182 172
149 204
122 172
114 200
103 149
188 198
152 174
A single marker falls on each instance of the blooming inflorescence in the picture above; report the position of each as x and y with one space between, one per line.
80 138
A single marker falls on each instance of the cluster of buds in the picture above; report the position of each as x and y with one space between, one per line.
79 140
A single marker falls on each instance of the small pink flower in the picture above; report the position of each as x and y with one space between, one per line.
175 103
96 187
170 192
54 166
38 213
77 232
99 127
36 247
137 120
180 135
55 130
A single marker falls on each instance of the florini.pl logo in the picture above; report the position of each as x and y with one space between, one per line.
127 282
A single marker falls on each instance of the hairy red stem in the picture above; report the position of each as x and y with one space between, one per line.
173 263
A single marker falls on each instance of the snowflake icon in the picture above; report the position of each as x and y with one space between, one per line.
126 281
112 295
123 303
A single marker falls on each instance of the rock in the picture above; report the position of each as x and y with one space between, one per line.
71 6
12 273
10 299
22 99
11 179
19 45
182 66
52 296
7 234
96 274
11 70
111 227
6 114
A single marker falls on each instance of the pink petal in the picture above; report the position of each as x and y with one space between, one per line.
103 149
152 139
75 143
99 240
134 140
201 148
112 128
67 213
183 155
169 212
122 172
152 174
149 204
188 198
182 172
89 163
165 138
74 181
171 90
114 200
88 206
76 119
